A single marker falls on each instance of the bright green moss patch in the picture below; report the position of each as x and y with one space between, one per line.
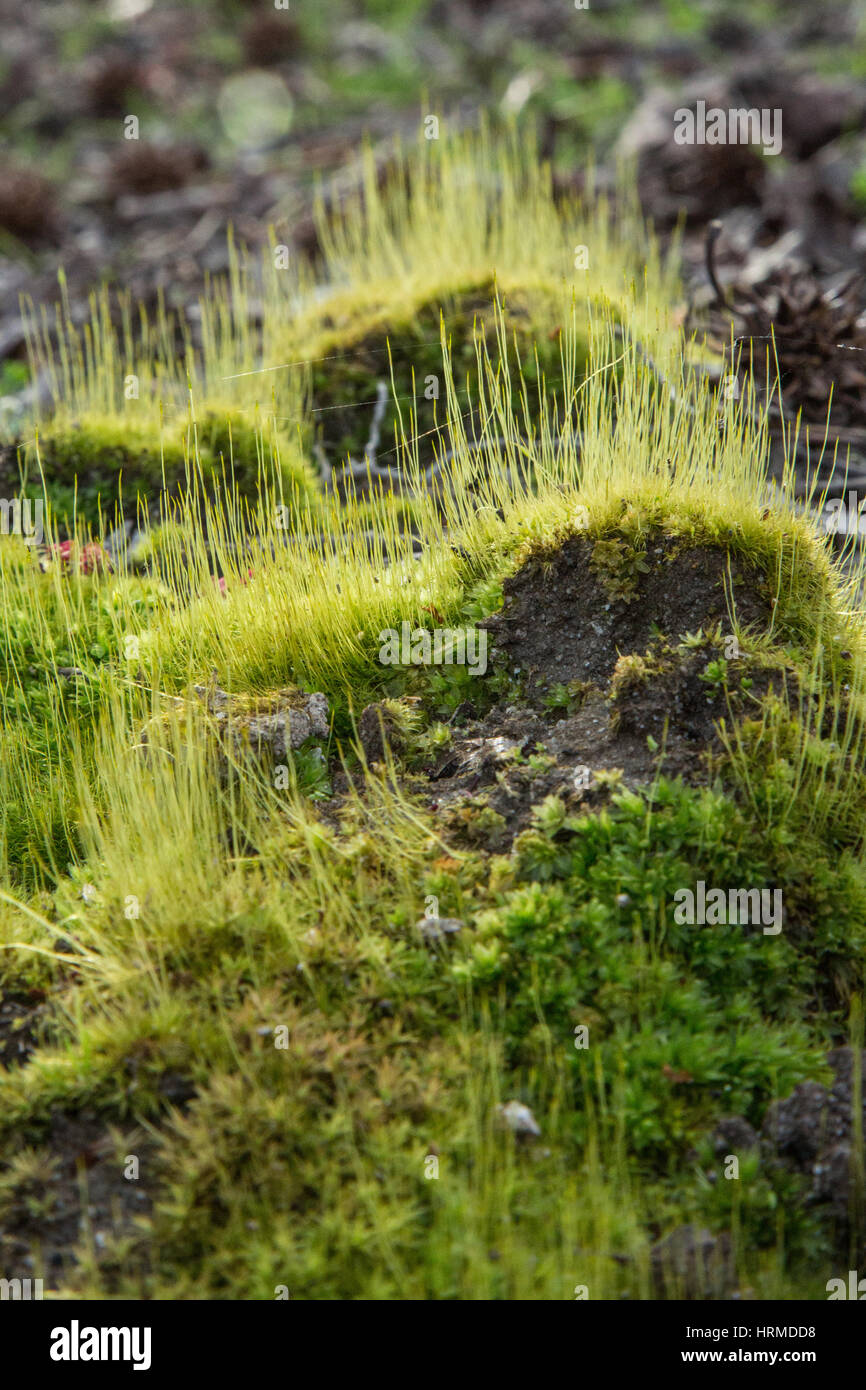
404 357
397 1053
93 465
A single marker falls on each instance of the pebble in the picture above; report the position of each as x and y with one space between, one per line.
519 1118
437 928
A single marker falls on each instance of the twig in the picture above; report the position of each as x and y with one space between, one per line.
714 231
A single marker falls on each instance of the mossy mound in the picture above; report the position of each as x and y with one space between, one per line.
635 834
651 875
559 823
93 464
399 354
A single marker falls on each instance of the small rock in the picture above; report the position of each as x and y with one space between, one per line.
484 752
318 714
831 1177
437 928
796 1126
734 1135
519 1118
284 728
812 1130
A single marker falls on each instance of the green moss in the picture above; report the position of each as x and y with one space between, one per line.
405 355
620 565
693 1021
91 465
182 921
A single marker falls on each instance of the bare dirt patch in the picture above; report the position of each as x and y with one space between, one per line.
560 621
74 1191
637 699
21 1017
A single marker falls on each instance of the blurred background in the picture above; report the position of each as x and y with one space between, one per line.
241 106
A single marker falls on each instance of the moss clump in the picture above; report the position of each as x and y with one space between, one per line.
403 354
93 464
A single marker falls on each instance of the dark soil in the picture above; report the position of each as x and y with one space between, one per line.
82 1194
816 1130
560 623
21 1020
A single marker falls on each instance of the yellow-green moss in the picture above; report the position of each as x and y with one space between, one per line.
92 462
